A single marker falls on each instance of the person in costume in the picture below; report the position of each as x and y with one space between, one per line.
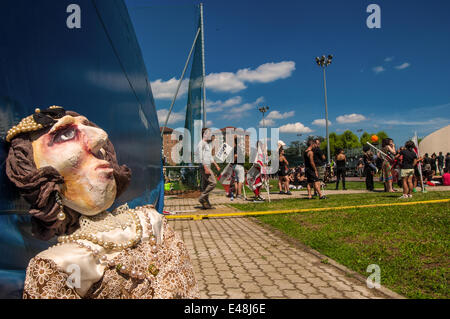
388 147
257 174
66 168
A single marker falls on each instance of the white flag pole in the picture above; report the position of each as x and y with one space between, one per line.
380 151
203 63
180 81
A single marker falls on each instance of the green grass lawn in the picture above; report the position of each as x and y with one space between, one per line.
339 200
409 243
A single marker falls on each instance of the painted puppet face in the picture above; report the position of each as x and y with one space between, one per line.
75 150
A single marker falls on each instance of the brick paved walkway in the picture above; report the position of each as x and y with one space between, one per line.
238 258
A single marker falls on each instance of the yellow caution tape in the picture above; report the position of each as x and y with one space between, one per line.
290 211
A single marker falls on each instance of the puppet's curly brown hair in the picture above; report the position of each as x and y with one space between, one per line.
39 186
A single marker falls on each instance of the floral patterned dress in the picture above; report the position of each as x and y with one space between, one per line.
172 277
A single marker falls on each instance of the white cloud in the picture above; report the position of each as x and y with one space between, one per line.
378 69
267 123
320 122
209 123
267 72
239 110
165 90
295 128
218 106
227 81
275 115
431 122
350 118
389 59
175 117
403 66
224 82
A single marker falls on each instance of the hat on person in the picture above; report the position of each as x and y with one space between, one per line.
281 143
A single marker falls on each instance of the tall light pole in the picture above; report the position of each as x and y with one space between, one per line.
263 110
299 145
323 62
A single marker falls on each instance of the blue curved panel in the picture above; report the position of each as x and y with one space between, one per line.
96 70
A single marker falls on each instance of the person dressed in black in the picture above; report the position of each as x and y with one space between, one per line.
368 167
312 176
341 159
440 160
409 160
427 162
319 160
447 161
433 164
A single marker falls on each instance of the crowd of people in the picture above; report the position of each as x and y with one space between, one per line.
402 167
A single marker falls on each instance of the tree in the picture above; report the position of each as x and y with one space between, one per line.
335 143
382 135
293 153
365 137
350 140
346 140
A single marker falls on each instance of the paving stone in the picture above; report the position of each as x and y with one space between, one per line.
272 291
340 286
235 293
209 271
244 277
353 295
231 283
317 282
226 275
306 289
364 290
251 287
295 279
263 280
285 271
293 294
203 295
216 289
211 279
331 292
256 295
219 296
284 284
316 296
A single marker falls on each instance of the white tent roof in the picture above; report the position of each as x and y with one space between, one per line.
438 141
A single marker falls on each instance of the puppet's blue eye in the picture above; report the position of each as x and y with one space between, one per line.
64 134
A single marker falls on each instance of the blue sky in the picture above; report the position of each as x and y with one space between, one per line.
395 78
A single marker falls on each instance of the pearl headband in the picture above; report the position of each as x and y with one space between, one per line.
39 120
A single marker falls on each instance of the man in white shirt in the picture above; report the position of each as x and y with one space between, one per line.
208 177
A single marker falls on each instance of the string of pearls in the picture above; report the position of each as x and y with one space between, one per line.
107 244
114 262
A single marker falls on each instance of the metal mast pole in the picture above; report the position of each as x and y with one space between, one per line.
326 115
203 63
179 82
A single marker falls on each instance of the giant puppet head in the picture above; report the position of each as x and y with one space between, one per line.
55 155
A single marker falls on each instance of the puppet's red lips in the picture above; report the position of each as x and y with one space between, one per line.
105 166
